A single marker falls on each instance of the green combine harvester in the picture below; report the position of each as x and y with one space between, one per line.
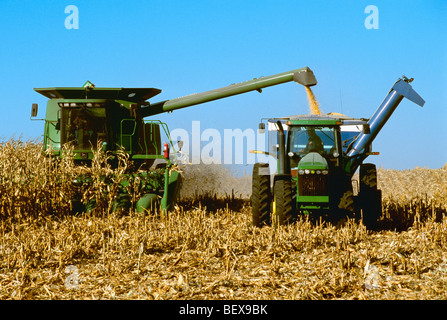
117 119
317 157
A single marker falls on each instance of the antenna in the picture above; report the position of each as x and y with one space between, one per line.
341 103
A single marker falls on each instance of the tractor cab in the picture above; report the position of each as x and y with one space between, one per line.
315 143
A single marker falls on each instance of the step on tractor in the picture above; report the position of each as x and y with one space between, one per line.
317 157
121 120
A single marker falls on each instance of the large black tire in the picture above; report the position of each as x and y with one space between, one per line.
371 208
368 177
261 195
283 200
347 202
345 208
370 197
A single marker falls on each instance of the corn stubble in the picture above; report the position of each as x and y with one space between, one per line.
206 248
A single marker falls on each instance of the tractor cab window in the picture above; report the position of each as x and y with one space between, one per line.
305 139
83 127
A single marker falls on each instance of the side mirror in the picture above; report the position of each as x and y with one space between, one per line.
366 129
262 127
34 108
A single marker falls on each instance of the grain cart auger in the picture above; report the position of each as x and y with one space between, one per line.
113 119
317 156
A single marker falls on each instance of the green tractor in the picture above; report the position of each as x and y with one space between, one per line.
317 157
121 119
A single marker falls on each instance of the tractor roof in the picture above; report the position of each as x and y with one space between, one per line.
319 119
126 94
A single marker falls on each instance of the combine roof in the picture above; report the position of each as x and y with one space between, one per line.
126 94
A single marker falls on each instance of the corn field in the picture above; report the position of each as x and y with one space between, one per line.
206 248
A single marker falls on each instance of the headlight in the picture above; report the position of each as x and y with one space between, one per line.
301 171
324 172
318 171
307 171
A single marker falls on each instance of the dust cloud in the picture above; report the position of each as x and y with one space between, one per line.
201 180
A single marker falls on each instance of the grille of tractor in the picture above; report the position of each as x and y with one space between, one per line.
312 185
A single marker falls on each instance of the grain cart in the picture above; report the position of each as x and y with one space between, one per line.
317 156
117 119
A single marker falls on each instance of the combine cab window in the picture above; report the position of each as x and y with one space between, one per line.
312 139
83 127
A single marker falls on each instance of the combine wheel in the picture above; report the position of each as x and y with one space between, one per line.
149 202
260 196
283 200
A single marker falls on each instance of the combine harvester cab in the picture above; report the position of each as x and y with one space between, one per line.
88 118
317 156
121 120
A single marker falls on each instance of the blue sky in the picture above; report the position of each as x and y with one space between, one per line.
184 47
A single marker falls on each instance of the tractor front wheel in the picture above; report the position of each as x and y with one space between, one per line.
260 195
283 200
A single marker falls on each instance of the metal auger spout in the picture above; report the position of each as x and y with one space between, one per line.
400 89
303 76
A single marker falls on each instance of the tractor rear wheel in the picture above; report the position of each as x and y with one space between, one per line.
371 208
368 176
283 200
370 197
260 195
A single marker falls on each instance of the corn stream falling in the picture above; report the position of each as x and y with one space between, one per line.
313 103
